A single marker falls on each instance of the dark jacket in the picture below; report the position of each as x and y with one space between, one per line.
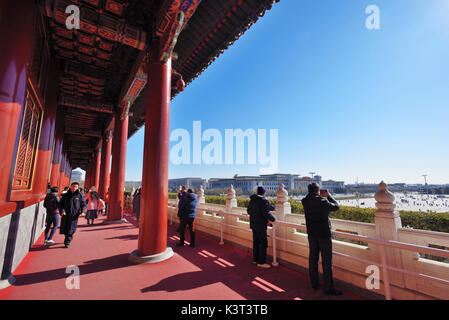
317 210
187 206
72 204
180 196
136 202
259 212
51 203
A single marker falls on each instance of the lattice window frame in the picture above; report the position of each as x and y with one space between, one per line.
28 145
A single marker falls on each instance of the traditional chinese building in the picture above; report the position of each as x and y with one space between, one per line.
70 98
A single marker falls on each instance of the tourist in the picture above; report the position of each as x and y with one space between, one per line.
186 214
72 204
51 204
106 201
259 214
101 206
181 192
92 205
316 208
136 203
64 191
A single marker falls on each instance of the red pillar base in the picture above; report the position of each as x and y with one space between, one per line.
4 283
135 258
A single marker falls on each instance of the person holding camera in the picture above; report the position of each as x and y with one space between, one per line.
259 214
317 205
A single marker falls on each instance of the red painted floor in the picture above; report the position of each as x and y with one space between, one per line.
207 272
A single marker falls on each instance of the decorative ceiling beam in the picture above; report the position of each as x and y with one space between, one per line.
81 132
65 100
171 18
108 27
80 150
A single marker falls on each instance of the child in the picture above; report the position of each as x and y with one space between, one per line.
101 206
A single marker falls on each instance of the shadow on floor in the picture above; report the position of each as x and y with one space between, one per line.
91 266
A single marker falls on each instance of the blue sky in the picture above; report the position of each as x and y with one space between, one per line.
348 103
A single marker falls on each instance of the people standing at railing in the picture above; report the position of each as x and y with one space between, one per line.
51 204
186 213
72 204
317 206
136 203
259 216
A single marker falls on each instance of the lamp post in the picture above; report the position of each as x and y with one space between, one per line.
425 183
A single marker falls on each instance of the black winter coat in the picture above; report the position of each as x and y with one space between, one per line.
259 212
51 203
73 204
187 206
316 211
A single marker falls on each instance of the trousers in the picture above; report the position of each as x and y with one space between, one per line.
260 244
323 246
52 221
182 228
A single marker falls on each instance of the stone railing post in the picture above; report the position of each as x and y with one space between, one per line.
231 201
387 223
282 208
200 195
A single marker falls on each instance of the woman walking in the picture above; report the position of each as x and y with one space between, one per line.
92 206
51 203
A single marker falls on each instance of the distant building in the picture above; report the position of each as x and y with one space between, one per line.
271 182
303 182
76 176
194 183
332 185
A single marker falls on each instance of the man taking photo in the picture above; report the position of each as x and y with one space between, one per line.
259 214
317 206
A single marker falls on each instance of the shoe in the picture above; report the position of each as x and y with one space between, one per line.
66 246
45 242
315 287
334 292
265 265
179 244
191 245
50 242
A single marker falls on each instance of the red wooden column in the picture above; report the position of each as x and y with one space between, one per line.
117 188
86 178
88 182
152 243
57 152
16 43
96 176
47 135
61 172
105 163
